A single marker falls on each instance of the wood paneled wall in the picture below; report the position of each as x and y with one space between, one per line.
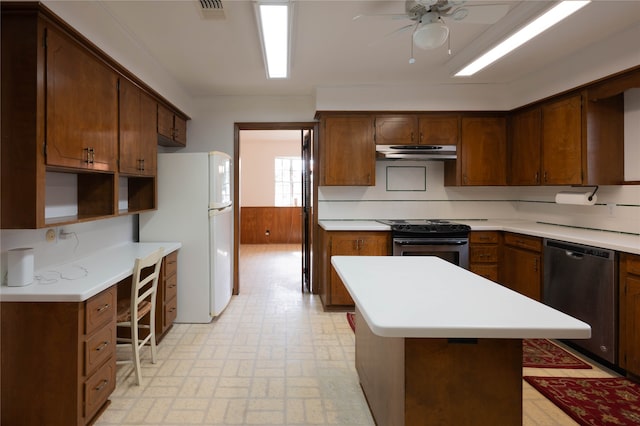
276 225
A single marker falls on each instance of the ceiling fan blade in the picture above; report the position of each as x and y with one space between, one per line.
481 14
392 33
383 15
400 30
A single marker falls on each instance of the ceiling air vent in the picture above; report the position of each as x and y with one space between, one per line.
211 9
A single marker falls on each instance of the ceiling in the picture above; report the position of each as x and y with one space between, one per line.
222 55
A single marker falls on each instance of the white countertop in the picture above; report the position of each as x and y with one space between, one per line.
605 239
427 297
80 280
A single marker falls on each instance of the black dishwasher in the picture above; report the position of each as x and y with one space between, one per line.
581 281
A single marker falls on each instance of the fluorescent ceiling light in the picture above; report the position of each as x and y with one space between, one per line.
274 33
544 22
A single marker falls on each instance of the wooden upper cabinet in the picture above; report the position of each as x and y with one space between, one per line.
562 154
172 129
525 148
347 150
439 130
411 129
81 106
482 156
138 137
396 129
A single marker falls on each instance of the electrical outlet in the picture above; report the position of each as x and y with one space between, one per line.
51 235
611 208
63 235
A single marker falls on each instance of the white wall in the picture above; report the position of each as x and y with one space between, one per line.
212 123
88 237
258 150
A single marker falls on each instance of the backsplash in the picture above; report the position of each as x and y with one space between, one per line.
419 193
85 238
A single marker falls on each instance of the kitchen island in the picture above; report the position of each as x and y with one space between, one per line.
437 344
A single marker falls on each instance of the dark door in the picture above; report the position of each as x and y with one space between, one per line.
306 210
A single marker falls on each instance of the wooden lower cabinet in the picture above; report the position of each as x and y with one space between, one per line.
439 381
58 360
484 252
629 338
346 243
167 298
521 264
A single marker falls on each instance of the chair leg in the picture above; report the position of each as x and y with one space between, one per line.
152 339
136 352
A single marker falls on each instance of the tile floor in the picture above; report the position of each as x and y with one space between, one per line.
272 358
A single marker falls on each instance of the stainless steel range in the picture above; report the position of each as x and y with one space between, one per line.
431 237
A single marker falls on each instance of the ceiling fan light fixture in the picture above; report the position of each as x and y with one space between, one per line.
430 35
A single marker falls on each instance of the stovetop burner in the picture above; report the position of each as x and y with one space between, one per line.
427 226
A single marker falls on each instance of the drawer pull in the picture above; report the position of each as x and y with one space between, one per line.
102 346
101 385
103 307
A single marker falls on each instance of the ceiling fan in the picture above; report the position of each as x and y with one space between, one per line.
429 18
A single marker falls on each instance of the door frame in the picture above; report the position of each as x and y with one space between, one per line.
237 128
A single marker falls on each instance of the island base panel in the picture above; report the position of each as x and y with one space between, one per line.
411 381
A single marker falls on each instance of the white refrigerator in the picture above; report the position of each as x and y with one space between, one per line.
195 208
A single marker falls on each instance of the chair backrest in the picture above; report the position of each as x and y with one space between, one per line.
141 288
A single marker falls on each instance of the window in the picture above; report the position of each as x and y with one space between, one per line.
288 181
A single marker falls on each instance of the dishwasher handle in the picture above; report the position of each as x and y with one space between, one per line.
574 255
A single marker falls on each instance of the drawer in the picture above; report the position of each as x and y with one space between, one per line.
98 387
170 264
98 348
171 287
100 309
170 311
523 241
483 254
488 271
633 264
483 237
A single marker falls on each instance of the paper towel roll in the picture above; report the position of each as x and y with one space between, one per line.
20 267
581 198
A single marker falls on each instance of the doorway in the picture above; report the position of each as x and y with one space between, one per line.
295 201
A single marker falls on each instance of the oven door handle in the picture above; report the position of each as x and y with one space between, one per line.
430 242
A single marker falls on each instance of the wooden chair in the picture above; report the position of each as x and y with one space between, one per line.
142 303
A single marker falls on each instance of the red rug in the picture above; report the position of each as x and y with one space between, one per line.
593 401
351 319
542 353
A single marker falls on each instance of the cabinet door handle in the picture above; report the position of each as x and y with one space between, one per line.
411 136
103 307
102 346
101 385
91 155
535 265
537 177
545 177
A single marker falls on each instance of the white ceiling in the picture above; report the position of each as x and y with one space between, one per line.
223 56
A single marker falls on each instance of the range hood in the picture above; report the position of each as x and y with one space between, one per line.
416 152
